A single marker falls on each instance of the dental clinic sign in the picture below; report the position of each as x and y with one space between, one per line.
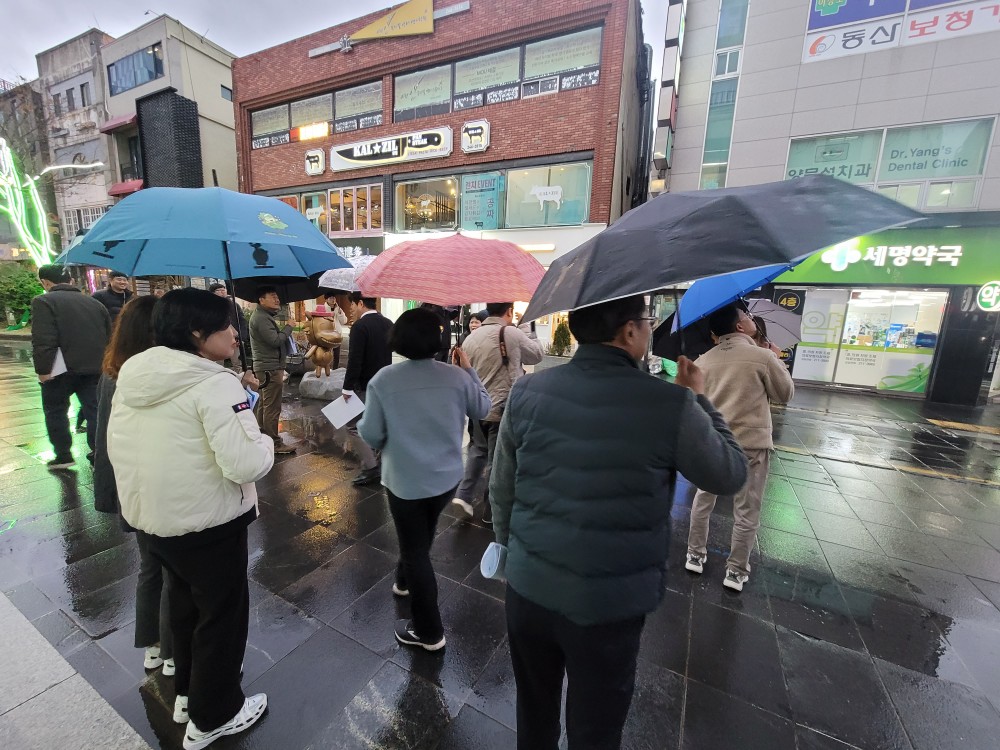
838 28
906 257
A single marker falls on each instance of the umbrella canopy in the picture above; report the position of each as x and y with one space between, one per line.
205 232
454 270
346 279
681 237
289 288
784 328
708 295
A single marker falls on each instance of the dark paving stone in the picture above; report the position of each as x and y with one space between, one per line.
654 719
495 693
396 710
782 550
988 531
120 644
31 602
275 568
737 655
807 739
308 689
474 625
980 562
813 474
940 715
778 490
882 513
990 589
949 594
472 729
106 675
745 726
822 500
785 517
945 525
812 605
66 586
911 498
329 590
837 691
150 717
858 488
274 527
277 628
866 571
458 550
847 532
54 525
843 469
107 609
911 546
666 637
979 649
489 586
59 630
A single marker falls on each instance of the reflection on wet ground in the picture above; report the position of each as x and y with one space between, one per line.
870 620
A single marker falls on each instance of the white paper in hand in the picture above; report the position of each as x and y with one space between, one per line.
58 365
340 412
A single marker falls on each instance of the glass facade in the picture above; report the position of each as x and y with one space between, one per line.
427 205
356 209
136 69
548 196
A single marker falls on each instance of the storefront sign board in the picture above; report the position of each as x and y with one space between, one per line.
822 322
432 143
481 201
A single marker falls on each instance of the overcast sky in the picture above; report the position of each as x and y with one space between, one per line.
241 28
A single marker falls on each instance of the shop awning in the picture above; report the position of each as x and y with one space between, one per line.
117 123
125 188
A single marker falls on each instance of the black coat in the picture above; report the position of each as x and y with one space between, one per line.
113 300
66 318
368 350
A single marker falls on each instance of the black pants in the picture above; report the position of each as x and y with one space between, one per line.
152 608
600 662
209 617
416 522
55 406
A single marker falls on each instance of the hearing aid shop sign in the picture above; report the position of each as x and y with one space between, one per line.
433 143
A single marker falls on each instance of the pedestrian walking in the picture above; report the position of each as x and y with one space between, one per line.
368 352
186 452
132 334
581 489
71 329
415 414
269 342
498 350
115 294
742 379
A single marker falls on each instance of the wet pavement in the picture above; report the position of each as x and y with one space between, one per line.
870 621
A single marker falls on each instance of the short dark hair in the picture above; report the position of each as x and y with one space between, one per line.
368 302
217 286
724 320
55 273
498 309
117 275
598 324
266 289
180 314
416 334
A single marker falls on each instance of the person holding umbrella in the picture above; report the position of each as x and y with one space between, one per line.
269 343
741 379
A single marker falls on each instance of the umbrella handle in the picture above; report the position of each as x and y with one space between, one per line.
266 380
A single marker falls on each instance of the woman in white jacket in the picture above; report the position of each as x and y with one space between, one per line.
187 451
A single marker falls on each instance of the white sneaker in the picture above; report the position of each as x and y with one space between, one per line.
181 709
153 659
253 709
169 668
734 580
466 507
695 563
397 590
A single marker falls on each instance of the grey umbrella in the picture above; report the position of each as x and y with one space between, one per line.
686 236
784 328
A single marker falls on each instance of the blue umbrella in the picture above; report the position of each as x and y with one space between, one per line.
707 295
205 232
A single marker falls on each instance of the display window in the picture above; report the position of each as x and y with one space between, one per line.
427 205
314 208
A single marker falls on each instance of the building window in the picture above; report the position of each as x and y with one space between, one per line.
57 104
77 219
908 195
486 79
356 209
136 69
422 94
727 63
314 208
851 157
732 23
427 205
70 100
548 196
85 95
227 93
358 108
948 149
955 194
272 120
316 109
718 133
564 53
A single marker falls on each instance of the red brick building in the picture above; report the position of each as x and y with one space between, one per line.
515 119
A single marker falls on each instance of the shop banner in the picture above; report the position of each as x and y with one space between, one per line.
427 144
822 322
481 201
905 257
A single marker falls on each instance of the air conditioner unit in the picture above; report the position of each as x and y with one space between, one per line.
85 125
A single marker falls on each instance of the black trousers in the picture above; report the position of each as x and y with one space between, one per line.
416 522
152 608
600 662
209 617
55 406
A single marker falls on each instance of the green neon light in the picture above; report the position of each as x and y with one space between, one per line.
20 202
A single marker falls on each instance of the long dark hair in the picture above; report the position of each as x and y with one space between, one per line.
132 334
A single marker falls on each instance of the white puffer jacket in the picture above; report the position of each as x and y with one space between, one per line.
184 443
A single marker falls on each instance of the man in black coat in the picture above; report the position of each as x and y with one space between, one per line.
116 294
66 322
368 353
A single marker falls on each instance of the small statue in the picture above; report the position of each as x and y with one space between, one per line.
323 332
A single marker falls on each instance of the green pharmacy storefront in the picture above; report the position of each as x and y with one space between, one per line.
907 312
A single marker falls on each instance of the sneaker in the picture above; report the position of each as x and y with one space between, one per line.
734 580
64 462
367 476
488 515
399 590
169 668
181 709
695 563
465 507
253 708
406 635
283 449
153 659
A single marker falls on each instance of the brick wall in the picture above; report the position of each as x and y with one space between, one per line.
579 120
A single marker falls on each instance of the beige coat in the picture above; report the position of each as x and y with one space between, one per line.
483 348
741 380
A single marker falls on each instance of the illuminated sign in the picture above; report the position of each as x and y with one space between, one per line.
409 19
988 298
432 143
475 136
313 131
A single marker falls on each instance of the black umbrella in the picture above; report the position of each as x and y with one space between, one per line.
667 342
686 236
290 288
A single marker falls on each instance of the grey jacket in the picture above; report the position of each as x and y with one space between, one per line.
66 318
268 340
583 482
483 349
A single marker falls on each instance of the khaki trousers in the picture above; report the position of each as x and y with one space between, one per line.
746 514
268 408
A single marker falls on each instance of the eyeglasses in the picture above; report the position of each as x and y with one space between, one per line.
651 319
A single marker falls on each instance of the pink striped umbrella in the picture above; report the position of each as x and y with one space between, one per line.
454 270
